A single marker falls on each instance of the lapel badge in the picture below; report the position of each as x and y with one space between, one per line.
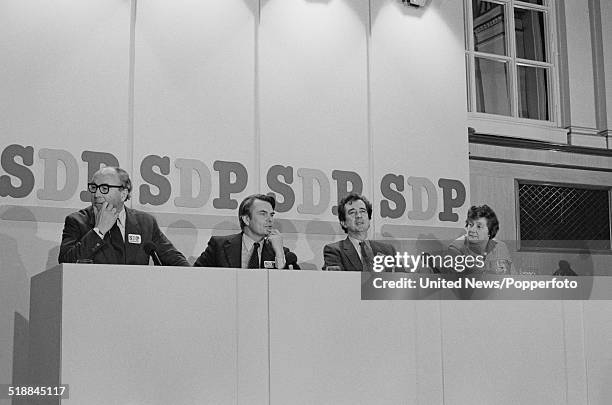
134 238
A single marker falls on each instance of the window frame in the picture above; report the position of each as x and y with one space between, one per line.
513 62
543 249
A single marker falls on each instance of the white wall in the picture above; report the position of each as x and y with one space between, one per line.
324 85
64 80
373 87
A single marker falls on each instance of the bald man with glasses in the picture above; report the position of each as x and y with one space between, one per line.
108 232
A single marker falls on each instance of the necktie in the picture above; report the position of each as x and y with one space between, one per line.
254 259
117 243
366 256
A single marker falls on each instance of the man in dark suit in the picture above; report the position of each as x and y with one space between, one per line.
259 245
356 252
110 233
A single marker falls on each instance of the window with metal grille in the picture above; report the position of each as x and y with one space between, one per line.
561 216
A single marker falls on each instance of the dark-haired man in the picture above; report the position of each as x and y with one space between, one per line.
108 232
356 252
258 246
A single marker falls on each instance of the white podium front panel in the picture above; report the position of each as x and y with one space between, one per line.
171 335
327 346
156 335
160 335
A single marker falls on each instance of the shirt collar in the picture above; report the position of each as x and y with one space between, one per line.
247 242
357 244
356 241
121 218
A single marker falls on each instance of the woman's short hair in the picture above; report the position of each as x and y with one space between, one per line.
486 212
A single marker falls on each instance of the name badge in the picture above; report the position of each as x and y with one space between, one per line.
134 238
269 264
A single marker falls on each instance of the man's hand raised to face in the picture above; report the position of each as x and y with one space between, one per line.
106 217
276 239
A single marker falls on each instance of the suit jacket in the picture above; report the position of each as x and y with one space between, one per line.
226 251
80 241
343 254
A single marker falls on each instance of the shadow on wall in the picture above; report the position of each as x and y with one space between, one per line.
583 265
20 355
13 300
317 238
36 254
183 235
289 232
22 254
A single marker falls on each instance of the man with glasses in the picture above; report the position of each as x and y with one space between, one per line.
108 232
258 246
356 252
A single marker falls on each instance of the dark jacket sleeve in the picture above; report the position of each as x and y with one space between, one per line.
208 258
78 241
168 254
331 256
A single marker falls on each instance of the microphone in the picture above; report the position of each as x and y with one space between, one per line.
290 259
151 250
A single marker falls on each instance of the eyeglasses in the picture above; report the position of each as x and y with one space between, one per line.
104 188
